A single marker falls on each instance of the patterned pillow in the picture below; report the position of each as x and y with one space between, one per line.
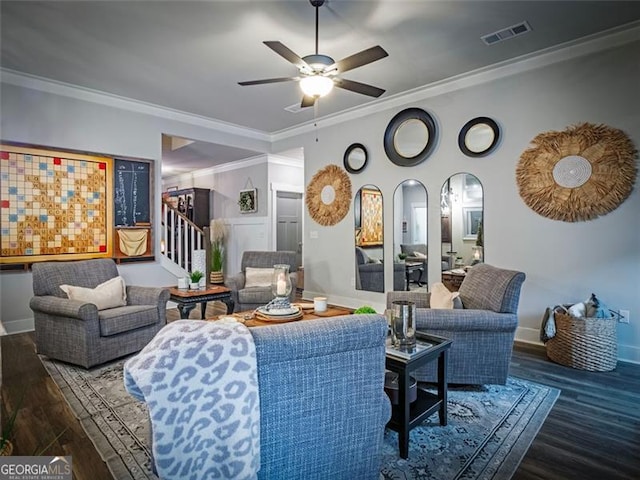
441 297
109 294
419 255
257 277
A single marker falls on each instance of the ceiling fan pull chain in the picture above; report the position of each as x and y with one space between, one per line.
315 117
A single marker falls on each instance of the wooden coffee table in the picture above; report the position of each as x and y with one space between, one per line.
307 314
188 299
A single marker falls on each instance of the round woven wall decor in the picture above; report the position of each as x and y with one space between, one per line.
328 196
578 174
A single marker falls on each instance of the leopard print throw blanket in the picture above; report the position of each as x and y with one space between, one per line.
200 383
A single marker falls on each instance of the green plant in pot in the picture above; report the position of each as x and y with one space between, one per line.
194 278
365 309
217 235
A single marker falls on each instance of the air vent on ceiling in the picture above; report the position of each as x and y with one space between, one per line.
506 33
295 108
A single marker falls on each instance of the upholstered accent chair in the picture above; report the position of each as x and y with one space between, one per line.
323 409
370 273
252 297
75 331
482 328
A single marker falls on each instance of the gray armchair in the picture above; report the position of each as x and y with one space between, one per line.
482 330
254 297
77 332
370 273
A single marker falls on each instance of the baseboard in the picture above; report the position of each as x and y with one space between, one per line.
19 326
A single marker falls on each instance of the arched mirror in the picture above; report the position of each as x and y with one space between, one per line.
410 236
462 232
369 239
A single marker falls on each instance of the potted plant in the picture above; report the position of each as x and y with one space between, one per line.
195 277
217 234
365 309
402 256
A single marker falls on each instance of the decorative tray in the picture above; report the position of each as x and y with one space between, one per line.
279 315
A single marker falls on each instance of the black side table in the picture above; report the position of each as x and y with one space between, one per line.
403 361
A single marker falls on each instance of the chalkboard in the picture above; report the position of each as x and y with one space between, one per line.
132 193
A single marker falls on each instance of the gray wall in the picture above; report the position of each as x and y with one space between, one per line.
99 125
564 262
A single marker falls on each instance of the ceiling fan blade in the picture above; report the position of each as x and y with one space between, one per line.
361 58
287 54
358 87
268 80
307 101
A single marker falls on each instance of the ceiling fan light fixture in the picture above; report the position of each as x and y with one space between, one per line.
316 85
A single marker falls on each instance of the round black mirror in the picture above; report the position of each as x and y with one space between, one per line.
479 137
410 137
355 158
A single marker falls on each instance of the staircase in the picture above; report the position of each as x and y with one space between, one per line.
180 238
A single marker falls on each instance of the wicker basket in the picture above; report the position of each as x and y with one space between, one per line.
584 343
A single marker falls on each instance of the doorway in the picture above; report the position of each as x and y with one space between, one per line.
289 223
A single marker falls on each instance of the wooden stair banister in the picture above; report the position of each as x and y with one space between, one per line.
181 236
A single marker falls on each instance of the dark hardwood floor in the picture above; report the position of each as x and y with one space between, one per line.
593 431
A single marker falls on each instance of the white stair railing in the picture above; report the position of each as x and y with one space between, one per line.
180 237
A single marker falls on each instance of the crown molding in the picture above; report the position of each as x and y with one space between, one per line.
235 165
591 44
55 87
285 161
587 45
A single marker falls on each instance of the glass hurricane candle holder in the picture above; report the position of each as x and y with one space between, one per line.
281 282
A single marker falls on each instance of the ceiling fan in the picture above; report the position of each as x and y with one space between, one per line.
319 73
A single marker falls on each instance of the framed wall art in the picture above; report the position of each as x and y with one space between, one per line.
54 205
371 234
248 200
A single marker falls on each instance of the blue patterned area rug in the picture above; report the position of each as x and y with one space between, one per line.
489 427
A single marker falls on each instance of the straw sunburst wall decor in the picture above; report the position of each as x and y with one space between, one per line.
329 195
578 174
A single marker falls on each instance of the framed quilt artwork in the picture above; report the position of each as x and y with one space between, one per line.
54 205
371 218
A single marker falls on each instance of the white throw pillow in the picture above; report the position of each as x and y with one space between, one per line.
257 277
441 297
109 294
419 255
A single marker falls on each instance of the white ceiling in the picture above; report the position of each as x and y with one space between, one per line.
189 56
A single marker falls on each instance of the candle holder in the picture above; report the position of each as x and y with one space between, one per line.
280 281
281 288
